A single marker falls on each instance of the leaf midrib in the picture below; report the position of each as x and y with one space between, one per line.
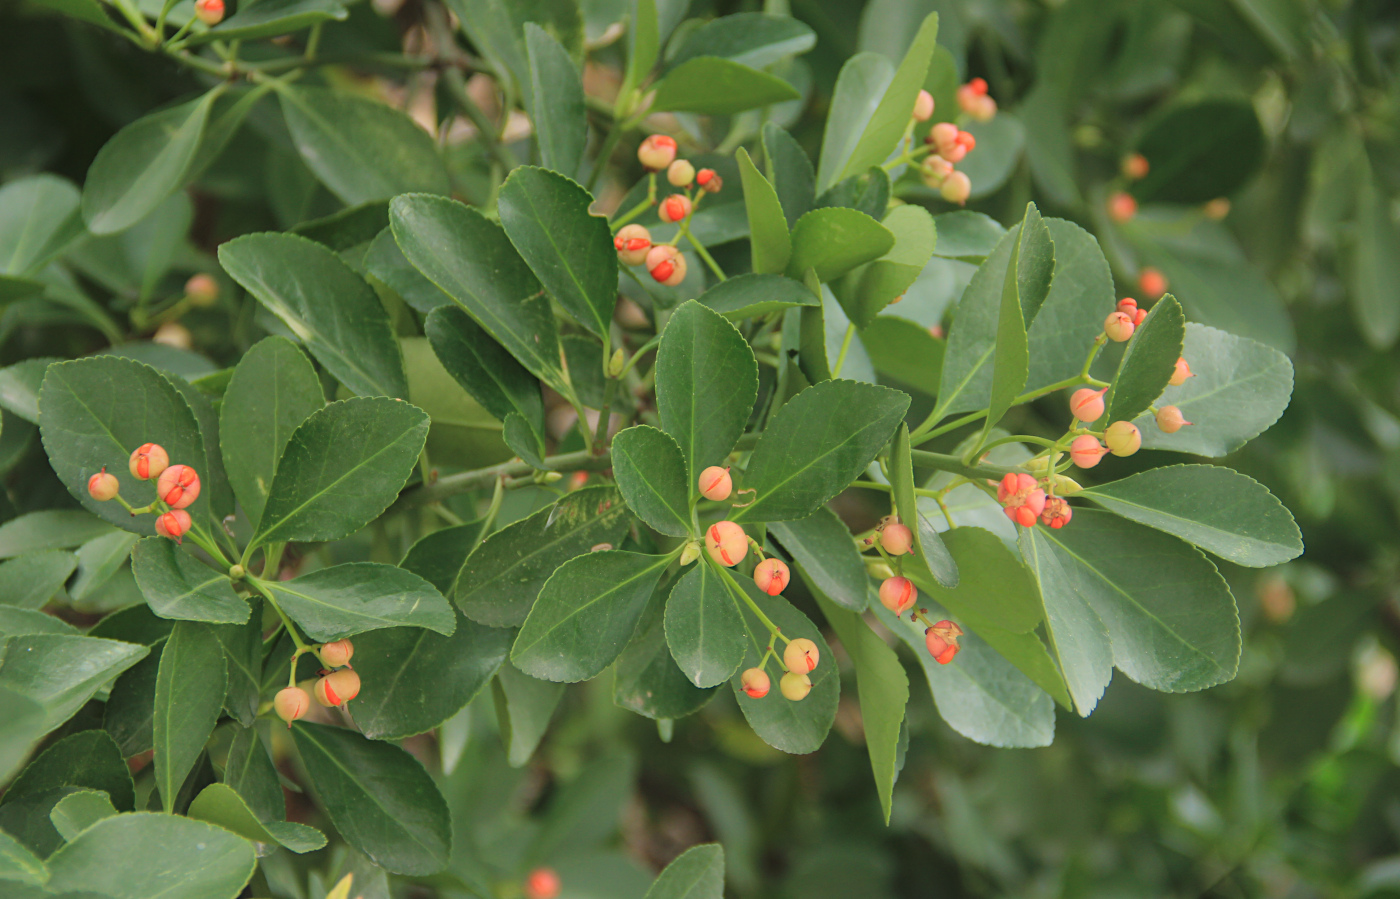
521 647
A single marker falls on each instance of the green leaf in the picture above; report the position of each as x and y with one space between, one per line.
348 599
1148 362
709 85
931 557
883 688
342 467
96 411
385 263
1024 290
361 149
860 87
648 681
143 855
129 713
967 236
753 39
569 249
706 384
18 864
378 797
651 474
249 771
871 288
325 304
61 672
643 47
87 760
556 94
190 687
753 295
1169 613
816 445
24 725
178 586
142 164
793 727
586 614
496 29
704 628
98 561
460 432
867 192
1239 389
243 658
697 873
524 706
789 171
16 622
826 552
53 529
220 804
39 218
270 18
273 390
31 580
501 579
1200 151
78 811
471 259
1374 270
1081 296
904 352
769 240
1219 510
19 386
993 587
834 240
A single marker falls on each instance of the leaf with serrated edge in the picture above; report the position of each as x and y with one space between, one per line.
698 873
178 586
704 628
1077 635
650 472
343 600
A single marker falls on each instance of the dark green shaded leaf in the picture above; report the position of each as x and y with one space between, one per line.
1024 290
1148 362
30 581
39 217
556 94
178 586
190 687
270 18
789 171
87 760
344 600
1200 151
250 772
648 680
826 552
867 192
129 711
651 474
704 627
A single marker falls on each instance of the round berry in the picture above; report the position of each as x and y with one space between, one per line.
542 883
674 208
173 524
1181 373
202 290
338 687
897 539
1121 206
148 461
716 484
1057 513
1170 419
666 264
1123 438
1086 451
934 170
210 12
957 188
923 107
103 486
1086 404
680 173
772 576
632 243
178 486
795 686
801 655
943 136
1152 282
657 152
726 543
898 594
1135 166
337 654
942 641
291 704
1118 326
710 182
755 683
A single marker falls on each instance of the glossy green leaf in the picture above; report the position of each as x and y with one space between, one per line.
556 94
273 390
15 622
385 263
87 760
460 432
1081 296
704 627
129 712
697 873
144 855
753 39
710 85
546 216
648 681
993 588
361 149
30 581
816 445
706 384
501 579
967 236
143 164
867 192
769 240
471 259
243 658
1024 290
789 171
24 725
586 614
930 556
52 529
871 288
651 474
39 217
190 687
378 797
524 706
98 560
904 352
826 552
20 383
78 811
178 586
348 599
271 18
61 671
834 240
1200 151
330 309
1239 389
249 771
342 467
220 804
753 295
1148 362
860 87
18 864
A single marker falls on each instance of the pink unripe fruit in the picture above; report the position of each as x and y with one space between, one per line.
934 170
943 136
801 655
173 524
657 152
103 486
291 704
795 686
674 208
898 594
210 12
543 883
1170 419
957 188
897 539
709 181
202 290
1087 404
772 576
942 641
923 107
632 243
337 654
1121 206
178 486
148 460
1086 451
338 687
755 683
1057 513
1182 372
1129 307
1152 282
726 543
666 264
1118 326
680 173
954 153
1135 166
1123 438
716 484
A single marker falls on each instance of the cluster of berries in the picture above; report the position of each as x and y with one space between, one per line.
337 685
633 242
1122 438
898 593
950 144
177 486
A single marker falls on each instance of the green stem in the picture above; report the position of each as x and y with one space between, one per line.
641 207
700 249
945 462
845 346
600 436
313 42
738 591
641 351
601 162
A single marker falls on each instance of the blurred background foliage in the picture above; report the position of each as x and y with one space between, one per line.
1282 783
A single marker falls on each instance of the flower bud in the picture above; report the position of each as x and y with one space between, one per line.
632 243
1057 513
178 486
1182 372
680 173
1121 206
210 12
542 883
716 484
666 264
291 704
1170 419
1086 404
237 572
338 687
801 655
1152 282
934 170
1123 438
202 290
897 539
148 461
966 141
972 99
898 594
1135 166
173 525
173 334
657 152
726 543
923 107
942 641
615 364
674 208
103 486
795 686
755 683
690 553
709 181
1086 451
1276 598
957 188
772 576
1067 486
1118 326
337 654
